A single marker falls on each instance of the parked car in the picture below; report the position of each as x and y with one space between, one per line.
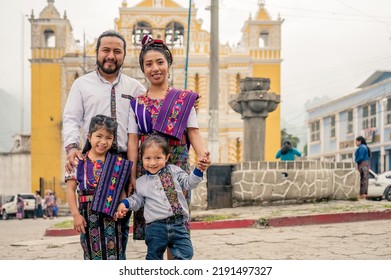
3 199
379 185
9 208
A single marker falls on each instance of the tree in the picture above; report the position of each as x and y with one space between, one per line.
285 136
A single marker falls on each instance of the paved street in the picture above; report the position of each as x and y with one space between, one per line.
369 240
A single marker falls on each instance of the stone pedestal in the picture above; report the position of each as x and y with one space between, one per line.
254 103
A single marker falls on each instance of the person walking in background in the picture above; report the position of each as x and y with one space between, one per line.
162 188
49 204
38 213
99 180
361 157
287 152
106 91
20 207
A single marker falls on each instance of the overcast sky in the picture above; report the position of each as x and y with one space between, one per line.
328 47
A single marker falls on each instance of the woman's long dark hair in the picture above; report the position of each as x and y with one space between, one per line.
362 141
148 44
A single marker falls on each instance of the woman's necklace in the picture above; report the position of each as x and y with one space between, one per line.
96 175
167 91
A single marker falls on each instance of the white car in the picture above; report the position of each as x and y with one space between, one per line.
9 207
379 185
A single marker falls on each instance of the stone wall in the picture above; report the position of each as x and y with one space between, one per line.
263 183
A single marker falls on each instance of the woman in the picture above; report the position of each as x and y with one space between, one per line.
163 110
49 204
362 155
287 152
20 207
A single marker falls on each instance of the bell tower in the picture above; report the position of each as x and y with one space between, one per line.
262 39
50 39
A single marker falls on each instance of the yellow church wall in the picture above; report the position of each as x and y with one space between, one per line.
273 123
149 3
146 3
262 15
46 127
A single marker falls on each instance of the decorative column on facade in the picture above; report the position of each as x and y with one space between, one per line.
254 104
203 90
235 143
235 150
232 83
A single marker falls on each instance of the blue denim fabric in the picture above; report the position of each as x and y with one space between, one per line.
168 233
125 231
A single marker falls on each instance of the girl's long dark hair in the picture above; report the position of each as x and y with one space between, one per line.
362 140
98 122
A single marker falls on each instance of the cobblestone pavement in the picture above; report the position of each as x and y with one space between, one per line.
367 240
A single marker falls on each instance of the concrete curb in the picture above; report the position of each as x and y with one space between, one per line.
329 218
60 232
273 222
194 226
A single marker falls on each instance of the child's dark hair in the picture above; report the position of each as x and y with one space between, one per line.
364 142
98 122
158 140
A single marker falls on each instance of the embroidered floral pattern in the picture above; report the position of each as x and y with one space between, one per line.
109 198
98 167
173 118
171 193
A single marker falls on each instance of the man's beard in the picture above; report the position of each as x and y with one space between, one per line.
108 70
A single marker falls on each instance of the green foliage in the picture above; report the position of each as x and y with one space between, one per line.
286 136
64 225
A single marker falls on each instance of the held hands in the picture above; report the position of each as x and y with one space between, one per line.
204 161
121 212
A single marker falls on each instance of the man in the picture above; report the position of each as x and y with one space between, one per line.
105 91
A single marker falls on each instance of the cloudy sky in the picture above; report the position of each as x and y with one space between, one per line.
328 47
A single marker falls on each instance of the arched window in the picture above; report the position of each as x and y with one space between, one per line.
140 29
174 34
50 38
264 39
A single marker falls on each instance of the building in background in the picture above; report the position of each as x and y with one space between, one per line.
334 126
57 60
15 168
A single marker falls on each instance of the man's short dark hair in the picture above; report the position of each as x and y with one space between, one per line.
110 33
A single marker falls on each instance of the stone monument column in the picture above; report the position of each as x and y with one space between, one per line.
254 103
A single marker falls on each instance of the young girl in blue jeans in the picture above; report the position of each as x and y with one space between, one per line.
160 192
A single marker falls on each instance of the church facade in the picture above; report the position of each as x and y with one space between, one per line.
57 60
